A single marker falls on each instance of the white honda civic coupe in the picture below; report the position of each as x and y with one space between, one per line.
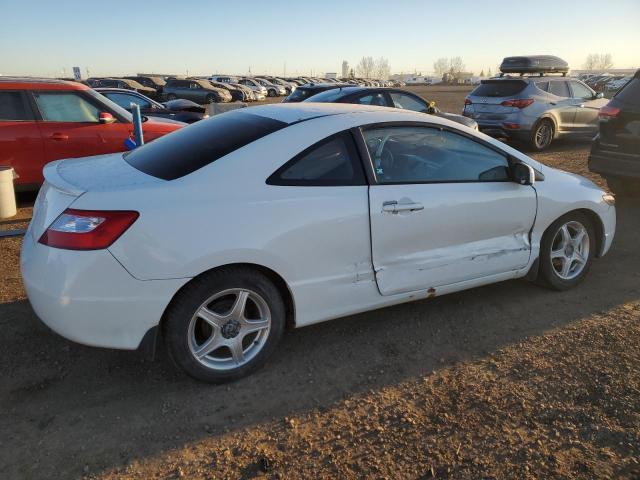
217 237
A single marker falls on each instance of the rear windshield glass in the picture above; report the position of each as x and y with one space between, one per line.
499 88
327 96
630 93
299 94
191 148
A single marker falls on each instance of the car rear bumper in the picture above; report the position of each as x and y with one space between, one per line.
88 296
614 164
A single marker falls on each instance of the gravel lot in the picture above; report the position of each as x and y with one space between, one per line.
505 381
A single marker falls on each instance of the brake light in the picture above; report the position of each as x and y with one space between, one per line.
467 101
517 102
87 229
608 112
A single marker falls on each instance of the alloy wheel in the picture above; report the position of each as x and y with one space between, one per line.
229 329
570 250
544 135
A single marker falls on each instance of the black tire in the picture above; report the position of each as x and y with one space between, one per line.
172 96
548 275
211 98
272 93
624 187
181 312
542 135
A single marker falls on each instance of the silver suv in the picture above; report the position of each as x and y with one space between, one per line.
535 109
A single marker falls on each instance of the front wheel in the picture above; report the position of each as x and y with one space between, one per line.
272 93
624 187
225 324
542 135
172 96
566 251
210 98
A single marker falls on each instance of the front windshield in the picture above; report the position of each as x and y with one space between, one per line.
111 105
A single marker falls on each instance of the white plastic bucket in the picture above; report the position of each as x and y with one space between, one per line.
7 193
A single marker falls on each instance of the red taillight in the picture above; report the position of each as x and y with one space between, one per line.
608 112
467 101
518 102
87 229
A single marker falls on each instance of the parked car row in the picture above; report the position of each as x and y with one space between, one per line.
44 120
150 86
607 82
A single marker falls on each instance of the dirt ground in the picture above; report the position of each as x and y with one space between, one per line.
508 381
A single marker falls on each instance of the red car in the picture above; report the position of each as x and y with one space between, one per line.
42 120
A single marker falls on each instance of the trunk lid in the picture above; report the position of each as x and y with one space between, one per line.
67 180
486 98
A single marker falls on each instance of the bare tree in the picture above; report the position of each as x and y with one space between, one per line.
598 61
382 69
441 66
456 66
366 67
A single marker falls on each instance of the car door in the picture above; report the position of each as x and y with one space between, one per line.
586 119
70 126
443 209
563 105
21 144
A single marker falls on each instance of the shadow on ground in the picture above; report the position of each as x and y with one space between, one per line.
63 405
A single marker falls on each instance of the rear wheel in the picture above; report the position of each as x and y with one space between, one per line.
624 187
542 135
566 251
272 93
210 98
225 324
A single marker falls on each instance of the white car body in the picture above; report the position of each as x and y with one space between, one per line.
335 247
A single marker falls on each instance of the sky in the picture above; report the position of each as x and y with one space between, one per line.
203 37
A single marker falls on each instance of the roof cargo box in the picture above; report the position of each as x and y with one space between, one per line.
534 64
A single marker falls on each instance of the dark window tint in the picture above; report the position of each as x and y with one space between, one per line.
499 88
13 107
423 154
189 149
300 94
331 162
559 89
327 96
630 93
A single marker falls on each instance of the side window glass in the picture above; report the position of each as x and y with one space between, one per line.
331 162
422 155
371 99
125 100
559 89
14 107
408 102
65 107
544 86
580 91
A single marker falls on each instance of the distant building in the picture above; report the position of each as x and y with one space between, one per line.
331 75
415 79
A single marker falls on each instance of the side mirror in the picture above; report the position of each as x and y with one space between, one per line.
523 174
599 95
106 117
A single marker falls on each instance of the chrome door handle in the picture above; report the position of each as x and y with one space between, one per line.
392 206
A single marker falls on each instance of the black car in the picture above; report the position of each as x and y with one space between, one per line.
615 151
387 97
180 110
310 89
